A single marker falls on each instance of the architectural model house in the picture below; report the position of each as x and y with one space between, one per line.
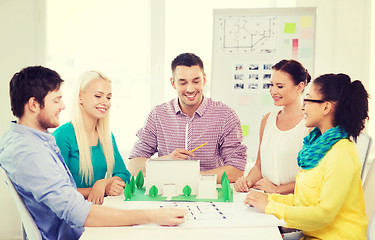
171 176
207 186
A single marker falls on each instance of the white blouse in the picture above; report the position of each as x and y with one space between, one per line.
279 150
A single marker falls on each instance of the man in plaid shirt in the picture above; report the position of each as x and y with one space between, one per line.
175 128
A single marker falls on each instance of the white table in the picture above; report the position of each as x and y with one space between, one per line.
180 233
175 233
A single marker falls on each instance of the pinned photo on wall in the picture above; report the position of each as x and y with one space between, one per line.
253 76
238 76
267 66
267 76
266 85
253 86
238 86
239 67
253 67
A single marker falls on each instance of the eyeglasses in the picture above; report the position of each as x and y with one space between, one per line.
305 100
313 100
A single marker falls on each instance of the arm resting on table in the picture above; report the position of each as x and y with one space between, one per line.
137 164
100 216
232 173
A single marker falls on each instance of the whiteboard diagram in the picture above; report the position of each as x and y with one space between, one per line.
246 44
247 35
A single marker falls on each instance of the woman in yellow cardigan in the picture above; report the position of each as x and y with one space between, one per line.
328 198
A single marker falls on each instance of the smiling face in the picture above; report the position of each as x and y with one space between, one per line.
48 116
189 82
95 98
283 90
314 111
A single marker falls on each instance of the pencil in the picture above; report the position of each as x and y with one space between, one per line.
199 147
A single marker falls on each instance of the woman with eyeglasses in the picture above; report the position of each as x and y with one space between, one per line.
87 145
281 133
328 200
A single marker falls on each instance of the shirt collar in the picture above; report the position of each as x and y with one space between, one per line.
200 111
16 127
176 106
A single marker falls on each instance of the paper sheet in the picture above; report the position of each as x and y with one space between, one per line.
214 215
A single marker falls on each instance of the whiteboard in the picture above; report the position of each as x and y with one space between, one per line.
246 44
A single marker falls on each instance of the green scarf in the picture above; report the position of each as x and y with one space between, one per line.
316 145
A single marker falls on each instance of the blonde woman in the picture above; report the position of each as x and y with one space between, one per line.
87 144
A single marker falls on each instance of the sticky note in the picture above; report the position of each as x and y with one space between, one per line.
245 100
267 99
290 28
306 33
295 43
287 41
245 130
306 21
295 49
306 52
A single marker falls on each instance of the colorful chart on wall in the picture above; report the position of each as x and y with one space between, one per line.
246 44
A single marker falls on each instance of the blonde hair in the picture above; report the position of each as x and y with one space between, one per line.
104 132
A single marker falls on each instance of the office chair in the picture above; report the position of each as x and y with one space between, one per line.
29 228
371 229
363 144
369 195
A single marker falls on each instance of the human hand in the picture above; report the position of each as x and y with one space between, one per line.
242 184
266 185
257 199
180 153
114 187
97 192
168 216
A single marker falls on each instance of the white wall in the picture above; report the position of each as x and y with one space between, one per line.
21 45
371 9
342 37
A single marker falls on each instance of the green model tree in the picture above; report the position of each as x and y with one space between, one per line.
132 185
187 190
127 192
140 180
153 191
225 187
224 176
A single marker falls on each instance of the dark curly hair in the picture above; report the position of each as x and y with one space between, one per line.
188 60
351 111
35 81
295 69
